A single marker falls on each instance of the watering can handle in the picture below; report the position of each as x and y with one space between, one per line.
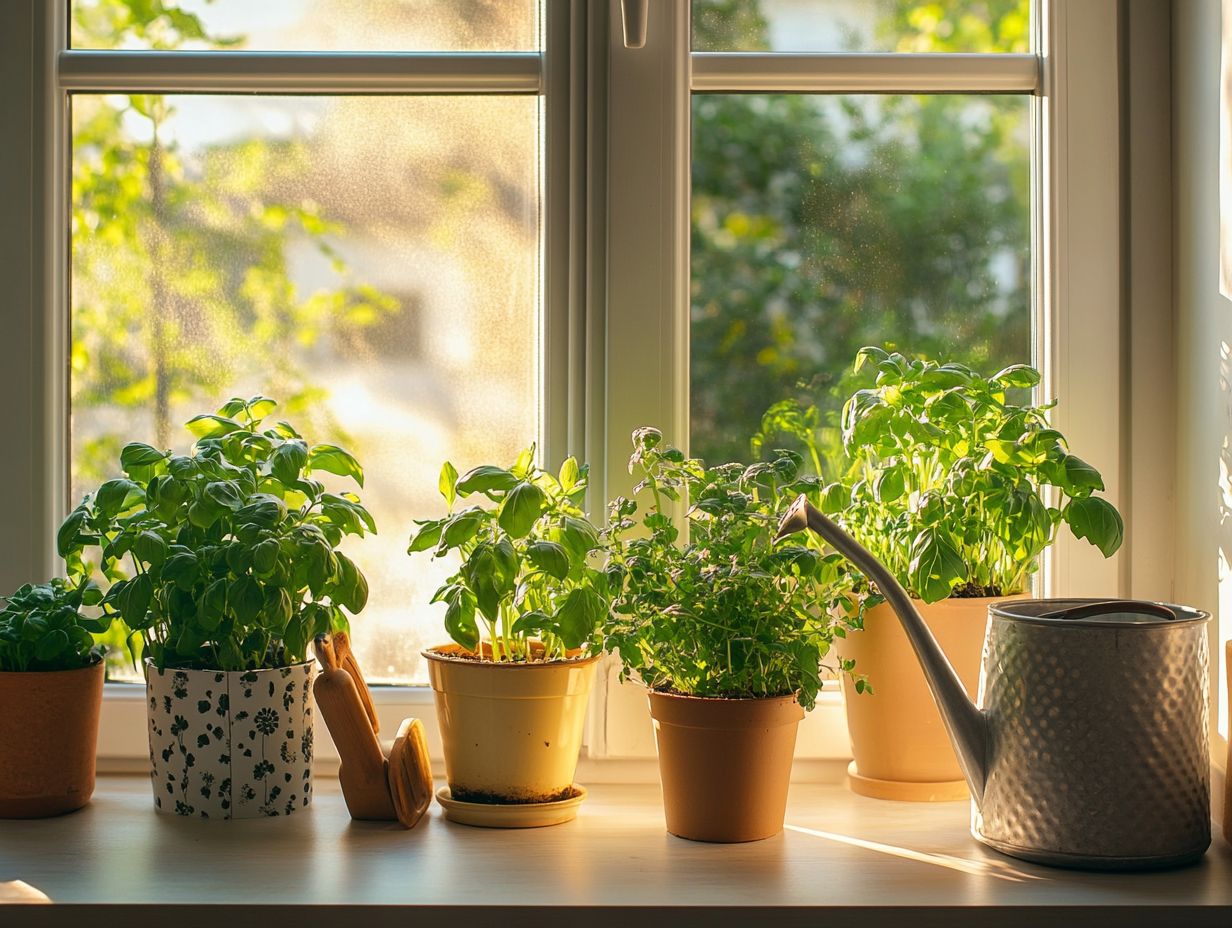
1109 606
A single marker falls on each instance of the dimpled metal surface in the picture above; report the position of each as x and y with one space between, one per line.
1097 743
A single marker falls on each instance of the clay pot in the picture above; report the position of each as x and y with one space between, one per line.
899 743
511 732
230 744
725 764
48 740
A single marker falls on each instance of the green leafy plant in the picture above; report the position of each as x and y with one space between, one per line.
727 611
43 627
947 476
525 572
233 547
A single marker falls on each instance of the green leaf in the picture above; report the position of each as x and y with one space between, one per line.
181 569
1017 375
351 585
578 537
117 496
135 604
549 557
486 479
463 527
427 536
150 547
245 599
936 566
137 454
460 620
1096 520
579 615
1080 477
265 556
569 473
835 498
890 485
210 426
225 494
69 531
52 645
521 508
288 460
533 622
447 483
334 460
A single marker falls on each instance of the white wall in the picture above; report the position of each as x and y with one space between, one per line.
1203 330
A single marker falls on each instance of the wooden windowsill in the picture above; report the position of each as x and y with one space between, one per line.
860 860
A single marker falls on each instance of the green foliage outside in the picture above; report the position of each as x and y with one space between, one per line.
729 612
824 224
525 569
225 558
181 284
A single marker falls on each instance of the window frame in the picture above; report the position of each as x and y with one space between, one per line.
616 180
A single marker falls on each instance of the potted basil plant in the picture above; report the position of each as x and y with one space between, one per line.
947 486
234 567
51 689
728 629
521 608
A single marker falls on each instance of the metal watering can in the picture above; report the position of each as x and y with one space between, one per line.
1089 745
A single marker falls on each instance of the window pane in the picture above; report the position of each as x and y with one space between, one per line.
371 262
308 25
861 25
825 223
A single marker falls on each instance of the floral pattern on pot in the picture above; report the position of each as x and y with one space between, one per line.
230 744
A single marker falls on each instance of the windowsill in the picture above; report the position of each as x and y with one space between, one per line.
851 856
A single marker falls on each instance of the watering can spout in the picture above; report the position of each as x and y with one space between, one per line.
964 722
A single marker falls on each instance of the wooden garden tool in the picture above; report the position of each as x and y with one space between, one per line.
376 787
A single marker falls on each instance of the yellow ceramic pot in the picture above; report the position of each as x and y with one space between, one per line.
899 744
511 732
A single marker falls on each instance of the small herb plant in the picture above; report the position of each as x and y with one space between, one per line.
43 627
727 612
232 548
946 478
525 569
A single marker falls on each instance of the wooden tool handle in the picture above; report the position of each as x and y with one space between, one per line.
346 660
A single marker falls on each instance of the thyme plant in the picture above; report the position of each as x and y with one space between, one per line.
711 605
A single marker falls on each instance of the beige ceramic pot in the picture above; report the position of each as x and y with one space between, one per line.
725 764
511 732
48 739
899 743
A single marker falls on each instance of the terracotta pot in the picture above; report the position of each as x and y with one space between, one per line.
48 739
230 744
511 732
899 743
725 764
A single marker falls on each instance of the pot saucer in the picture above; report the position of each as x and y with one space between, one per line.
513 815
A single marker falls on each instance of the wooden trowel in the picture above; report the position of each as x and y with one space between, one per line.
375 787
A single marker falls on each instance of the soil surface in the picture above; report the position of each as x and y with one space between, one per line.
487 798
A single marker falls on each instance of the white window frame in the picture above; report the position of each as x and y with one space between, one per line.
615 319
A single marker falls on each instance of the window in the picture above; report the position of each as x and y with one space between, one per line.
372 262
456 225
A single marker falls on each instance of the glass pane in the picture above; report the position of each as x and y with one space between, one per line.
861 25
308 25
825 223
371 262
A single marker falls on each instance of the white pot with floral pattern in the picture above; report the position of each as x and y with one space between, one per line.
230 744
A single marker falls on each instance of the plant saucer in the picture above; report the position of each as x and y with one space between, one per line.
513 814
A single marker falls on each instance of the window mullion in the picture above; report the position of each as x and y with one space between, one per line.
755 72
300 72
